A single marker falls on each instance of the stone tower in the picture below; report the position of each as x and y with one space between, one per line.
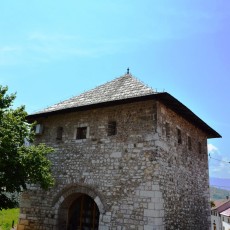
126 157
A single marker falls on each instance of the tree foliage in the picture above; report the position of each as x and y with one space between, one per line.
20 165
212 204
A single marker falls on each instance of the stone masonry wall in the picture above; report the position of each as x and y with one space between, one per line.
140 178
184 172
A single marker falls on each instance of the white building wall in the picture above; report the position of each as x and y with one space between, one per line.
217 220
225 222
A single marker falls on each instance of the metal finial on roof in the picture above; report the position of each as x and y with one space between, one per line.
128 70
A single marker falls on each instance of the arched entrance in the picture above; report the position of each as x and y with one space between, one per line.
77 201
83 214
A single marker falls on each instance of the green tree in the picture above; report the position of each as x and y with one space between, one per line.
20 165
212 204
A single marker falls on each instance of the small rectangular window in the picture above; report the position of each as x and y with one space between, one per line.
59 133
189 143
38 129
81 133
179 138
112 128
167 129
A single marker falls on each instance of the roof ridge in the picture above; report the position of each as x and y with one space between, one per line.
86 91
99 86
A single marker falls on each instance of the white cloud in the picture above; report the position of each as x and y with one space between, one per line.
218 163
212 148
41 47
219 169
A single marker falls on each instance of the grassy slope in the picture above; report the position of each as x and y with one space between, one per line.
6 218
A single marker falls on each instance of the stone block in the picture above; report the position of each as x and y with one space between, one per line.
147 193
24 222
106 218
155 187
22 216
158 221
25 204
116 155
149 227
159 206
20 227
102 227
151 205
140 145
158 194
151 213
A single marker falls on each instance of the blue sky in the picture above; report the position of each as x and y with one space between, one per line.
53 50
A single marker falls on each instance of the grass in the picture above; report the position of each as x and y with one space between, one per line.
6 218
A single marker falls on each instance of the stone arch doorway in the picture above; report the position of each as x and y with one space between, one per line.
73 198
83 214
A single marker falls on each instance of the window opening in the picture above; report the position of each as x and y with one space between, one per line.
81 133
112 128
179 139
199 147
38 129
167 128
59 133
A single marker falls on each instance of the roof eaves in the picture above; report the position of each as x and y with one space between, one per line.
90 106
172 103
163 97
226 212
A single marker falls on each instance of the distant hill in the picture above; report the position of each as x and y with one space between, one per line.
222 183
218 194
219 188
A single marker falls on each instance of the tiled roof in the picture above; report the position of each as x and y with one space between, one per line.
121 88
219 203
124 89
226 212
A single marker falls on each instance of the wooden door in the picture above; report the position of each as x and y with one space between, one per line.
83 214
